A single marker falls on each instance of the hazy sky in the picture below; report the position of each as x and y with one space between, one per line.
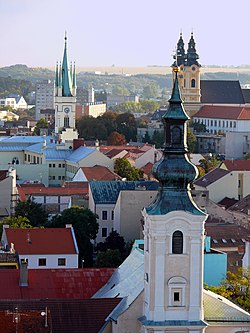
123 33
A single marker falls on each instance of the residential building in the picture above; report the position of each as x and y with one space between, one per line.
113 100
96 172
15 101
43 248
94 109
44 97
8 192
118 205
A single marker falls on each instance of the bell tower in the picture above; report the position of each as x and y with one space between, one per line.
173 235
189 74
65 96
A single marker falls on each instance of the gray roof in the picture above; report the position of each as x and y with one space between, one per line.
246 94
80 153
221 92
128 282
108 191
211 177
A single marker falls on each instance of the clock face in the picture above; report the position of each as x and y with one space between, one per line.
66 110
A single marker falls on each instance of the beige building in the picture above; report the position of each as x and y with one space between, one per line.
94 109
8 192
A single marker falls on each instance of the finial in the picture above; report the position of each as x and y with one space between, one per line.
65 36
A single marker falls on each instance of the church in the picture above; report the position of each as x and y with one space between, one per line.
162 284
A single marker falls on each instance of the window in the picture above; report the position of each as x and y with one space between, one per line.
59 177
37 160
50 165
104 215
54 165
25 157
176 296
176 288
112 215
193 83
104 232
61 261
177 242
42 262
63 165
59 165
28 158
66 122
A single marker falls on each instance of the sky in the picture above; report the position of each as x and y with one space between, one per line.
123 33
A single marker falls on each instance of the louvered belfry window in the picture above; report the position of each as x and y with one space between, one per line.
177 242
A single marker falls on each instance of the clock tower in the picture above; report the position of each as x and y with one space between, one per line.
173 235
65 96
189 74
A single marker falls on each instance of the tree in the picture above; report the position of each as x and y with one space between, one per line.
116 139
149 106
236 287
15 222
114 242
151 91
109 258
191 141
42 123
124 169
33 211
126 125
209 163
128 106
85 225
120 91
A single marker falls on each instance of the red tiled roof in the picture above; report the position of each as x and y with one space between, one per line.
224 112
25 192
71 283
113 152
67 184
31 185
42 241
227 202
99 172
67 316
237 165
147 169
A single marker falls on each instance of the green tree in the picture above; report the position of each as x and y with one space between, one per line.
85 225
42 123
209 163
151 91
109 258
124 169
126 125
128 106
158 139
149 106
33 211
191 141
15 222
236 287
121 91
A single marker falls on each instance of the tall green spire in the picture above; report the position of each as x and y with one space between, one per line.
174 171
74 76
192 56
66 77
180 55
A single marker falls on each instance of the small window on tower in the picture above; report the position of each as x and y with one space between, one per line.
176 297
177 242
193 83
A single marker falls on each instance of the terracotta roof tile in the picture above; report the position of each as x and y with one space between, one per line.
99 172
237 165
67 316
25 192
224 112
42 241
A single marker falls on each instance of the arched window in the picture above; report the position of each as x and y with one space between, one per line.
177 242
193 83
66 122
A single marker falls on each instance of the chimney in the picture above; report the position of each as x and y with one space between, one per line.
24 273
78 143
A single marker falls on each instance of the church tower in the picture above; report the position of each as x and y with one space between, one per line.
65 96
174 235
189 75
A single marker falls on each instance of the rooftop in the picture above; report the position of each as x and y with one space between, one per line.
211 177
42 241
236 165
224 112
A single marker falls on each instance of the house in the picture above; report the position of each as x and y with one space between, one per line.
16 102
96 172
8 192
229 238
118 205
231 179
43 248
55 199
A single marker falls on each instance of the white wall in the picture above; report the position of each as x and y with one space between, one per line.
51 260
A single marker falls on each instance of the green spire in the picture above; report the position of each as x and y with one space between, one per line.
180 53
56 83
66 77
74 76
174 171
192 56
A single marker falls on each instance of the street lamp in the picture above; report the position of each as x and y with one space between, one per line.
45 313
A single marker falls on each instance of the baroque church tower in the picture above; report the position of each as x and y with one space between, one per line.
189 74
174 234
65 98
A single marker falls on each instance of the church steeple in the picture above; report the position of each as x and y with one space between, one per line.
66 75
192 56
174 171
180 55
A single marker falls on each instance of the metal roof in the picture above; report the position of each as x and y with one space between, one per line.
108 191
80 153
128 282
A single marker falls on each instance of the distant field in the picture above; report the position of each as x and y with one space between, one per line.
154 70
